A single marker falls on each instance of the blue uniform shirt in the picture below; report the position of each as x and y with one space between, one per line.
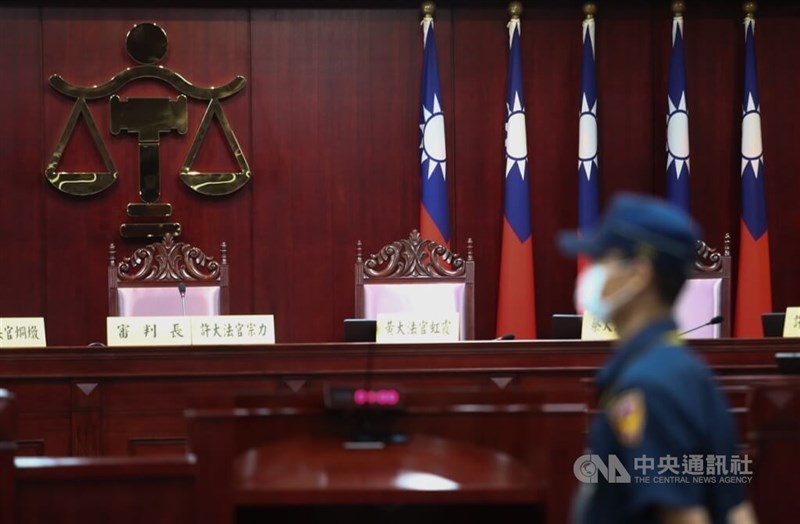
660 407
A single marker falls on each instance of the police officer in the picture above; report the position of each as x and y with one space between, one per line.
659 405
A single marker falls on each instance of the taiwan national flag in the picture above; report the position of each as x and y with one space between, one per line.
754 289
588 167
434 212
677 123
515 307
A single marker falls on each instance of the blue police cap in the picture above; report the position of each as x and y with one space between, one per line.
640 225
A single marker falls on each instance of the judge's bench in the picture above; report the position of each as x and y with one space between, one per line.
194 426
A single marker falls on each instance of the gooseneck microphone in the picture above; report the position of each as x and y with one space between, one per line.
182 291
714 321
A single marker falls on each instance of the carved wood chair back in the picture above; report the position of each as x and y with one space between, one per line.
411 274
147 282
707 293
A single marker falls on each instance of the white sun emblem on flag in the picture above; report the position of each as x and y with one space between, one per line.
587 132
433 144
516 143
678 134
752 151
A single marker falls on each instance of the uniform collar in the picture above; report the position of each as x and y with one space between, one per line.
622 356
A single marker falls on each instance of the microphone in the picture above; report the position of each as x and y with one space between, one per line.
182 291
714 321
375 409
507 336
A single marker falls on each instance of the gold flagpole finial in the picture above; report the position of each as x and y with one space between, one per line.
589 10
428 8
750 9
515 9
678 7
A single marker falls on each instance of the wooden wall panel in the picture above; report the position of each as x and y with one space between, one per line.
625 100
45 416
338 161
479 169
21 273
552 93
779 85
329 123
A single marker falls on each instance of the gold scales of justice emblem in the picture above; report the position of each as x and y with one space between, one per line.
147 44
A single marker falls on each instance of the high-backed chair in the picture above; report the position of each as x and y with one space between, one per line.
707 293
412 275
146 283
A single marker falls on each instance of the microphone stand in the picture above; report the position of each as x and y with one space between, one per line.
182 291
713 322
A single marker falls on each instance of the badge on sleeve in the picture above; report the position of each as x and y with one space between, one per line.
627 413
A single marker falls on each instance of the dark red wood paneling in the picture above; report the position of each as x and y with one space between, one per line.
337 107
625 105
123 489
552 45
22 243
779 83
480 58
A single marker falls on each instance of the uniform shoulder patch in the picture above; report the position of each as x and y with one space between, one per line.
627 414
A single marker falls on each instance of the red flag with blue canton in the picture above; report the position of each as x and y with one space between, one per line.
677 123
754 287
515 305
434 211
588 167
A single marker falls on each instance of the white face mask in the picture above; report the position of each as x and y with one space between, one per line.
589 294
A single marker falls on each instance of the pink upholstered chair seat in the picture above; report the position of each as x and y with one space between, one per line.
699 301
444 297
166 301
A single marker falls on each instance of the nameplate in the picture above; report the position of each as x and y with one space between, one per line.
148 331
22 332
233 330
417 327
791 323
594 329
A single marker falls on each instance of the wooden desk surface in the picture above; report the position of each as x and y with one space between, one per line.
550 356
324 469
462 448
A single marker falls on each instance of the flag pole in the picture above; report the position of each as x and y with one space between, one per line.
588 166
434 207
754 283
516 302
